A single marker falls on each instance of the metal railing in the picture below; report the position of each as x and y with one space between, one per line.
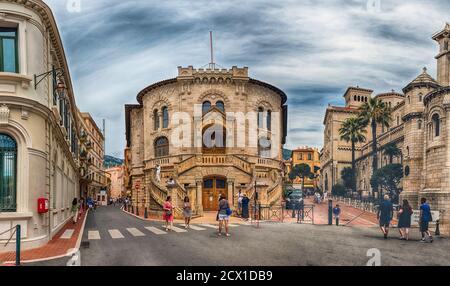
17 232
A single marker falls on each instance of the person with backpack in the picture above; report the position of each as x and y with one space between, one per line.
224 215
424 220
404 220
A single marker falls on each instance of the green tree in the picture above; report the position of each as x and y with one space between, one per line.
338 190
388 178
353 130
302 170
391 150
375 112
348 177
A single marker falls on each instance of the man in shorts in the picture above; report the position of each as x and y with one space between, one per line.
424 220
384 215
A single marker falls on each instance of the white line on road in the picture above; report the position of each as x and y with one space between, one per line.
155 230
93 235
115 233
194 227
176 229
210 225
67 234
135 232
233 225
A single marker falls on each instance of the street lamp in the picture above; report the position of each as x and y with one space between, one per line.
58 85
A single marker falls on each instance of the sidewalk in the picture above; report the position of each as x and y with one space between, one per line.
350 216
56 248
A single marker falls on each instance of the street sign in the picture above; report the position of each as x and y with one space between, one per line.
416 214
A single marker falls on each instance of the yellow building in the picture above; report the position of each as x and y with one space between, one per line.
309 156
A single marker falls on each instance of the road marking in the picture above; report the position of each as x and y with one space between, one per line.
135 232
155 230
93 235
67 234
115 233
233 225
194 227
210 225
176 229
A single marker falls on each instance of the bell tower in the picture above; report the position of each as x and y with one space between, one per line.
443 58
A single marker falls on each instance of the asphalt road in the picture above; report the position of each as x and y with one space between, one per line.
272 244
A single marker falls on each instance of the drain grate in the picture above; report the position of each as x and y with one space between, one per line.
85 244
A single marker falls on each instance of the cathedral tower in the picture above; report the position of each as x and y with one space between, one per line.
443 58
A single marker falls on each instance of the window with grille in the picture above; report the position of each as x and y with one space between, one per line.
8 170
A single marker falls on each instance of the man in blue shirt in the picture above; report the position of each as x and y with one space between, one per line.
384 215
336 213
424 219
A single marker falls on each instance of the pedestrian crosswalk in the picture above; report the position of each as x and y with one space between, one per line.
117 234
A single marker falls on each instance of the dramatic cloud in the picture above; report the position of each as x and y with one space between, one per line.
313 50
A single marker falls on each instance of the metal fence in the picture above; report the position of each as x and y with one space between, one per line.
279 213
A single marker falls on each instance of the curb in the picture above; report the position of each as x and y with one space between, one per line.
68 254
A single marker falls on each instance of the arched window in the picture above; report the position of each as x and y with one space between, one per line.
436 123
165 116
420 97
269 120
206 107
161 147
260 117
419 124
8 169
220 106
359 98
155 119
354 98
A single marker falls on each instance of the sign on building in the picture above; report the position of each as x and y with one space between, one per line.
416 214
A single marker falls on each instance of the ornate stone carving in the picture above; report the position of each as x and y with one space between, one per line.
4 114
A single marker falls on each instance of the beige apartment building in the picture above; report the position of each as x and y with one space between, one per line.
39 124
213 131
93 178
117 189
420 128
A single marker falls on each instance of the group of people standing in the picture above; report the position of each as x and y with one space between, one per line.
386 213
243 202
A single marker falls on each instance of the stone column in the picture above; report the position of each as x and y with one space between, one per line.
199 205
230 195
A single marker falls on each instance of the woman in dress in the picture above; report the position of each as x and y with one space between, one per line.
404 220
187 212
168 213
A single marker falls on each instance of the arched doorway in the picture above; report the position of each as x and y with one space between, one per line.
213 187
214 139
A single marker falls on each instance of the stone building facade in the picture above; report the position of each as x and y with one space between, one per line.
420 128
310 156
236 127
39 126
117 189
93 179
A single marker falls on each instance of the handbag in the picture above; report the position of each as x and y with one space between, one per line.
229 211
168 213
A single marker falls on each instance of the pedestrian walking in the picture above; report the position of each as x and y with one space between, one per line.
187 212
168 213
245 202
424 220
384 215
239 202
404 220
224 215
74 210
337 213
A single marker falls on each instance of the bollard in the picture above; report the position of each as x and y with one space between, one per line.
437 232
18 245
132 209
137 211
145 213
330 212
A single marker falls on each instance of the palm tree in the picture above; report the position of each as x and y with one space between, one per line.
391 150
353 130
375 112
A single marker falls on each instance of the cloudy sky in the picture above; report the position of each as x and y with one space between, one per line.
313 50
